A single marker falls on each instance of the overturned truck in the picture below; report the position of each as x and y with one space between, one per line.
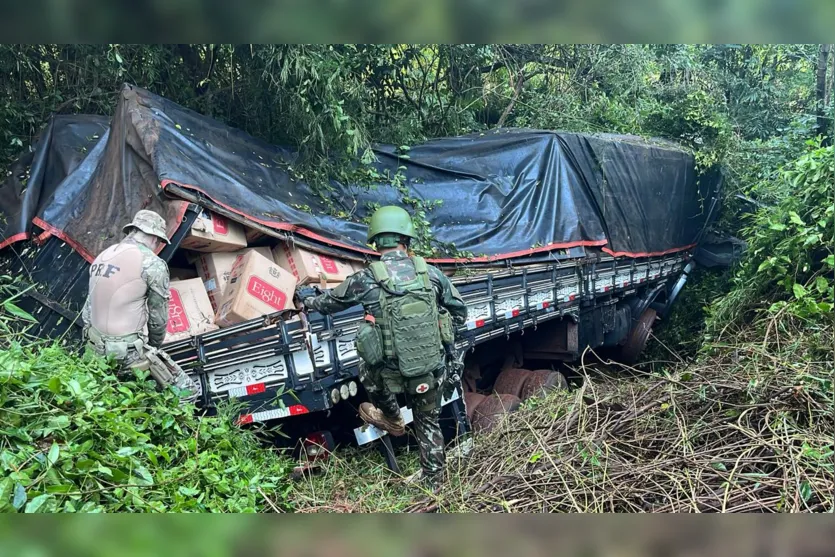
573 241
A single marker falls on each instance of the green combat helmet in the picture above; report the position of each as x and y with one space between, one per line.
388 224
148 222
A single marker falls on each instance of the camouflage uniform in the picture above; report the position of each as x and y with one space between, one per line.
151 327
384 382
126 311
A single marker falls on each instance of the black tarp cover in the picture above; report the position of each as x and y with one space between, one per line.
503 194
34 177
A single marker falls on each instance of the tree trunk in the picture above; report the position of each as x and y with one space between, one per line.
517 89
824 127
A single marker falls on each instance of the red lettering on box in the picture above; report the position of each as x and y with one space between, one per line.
177 318
212 299
267 293
328 264
220 224
232 277
291 261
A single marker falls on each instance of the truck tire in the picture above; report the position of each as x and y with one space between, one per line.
637 338
511 382
471 400
541 381
491 410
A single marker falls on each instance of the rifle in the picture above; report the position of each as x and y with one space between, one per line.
454 370
166 371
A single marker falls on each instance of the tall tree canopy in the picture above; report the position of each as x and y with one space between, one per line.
727 101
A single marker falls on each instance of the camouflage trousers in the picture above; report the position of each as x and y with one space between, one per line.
132 352
382 385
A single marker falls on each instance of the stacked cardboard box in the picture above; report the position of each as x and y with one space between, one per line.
189 310
237 283
257 286
215 268
212 233
355 268
311 268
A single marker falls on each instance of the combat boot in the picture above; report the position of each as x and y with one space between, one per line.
374 416
433 482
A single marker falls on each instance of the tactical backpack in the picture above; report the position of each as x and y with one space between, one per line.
407 331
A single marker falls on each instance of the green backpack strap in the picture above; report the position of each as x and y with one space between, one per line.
422 271
381 274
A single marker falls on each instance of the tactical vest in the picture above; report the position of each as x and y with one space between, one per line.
408 322
118 291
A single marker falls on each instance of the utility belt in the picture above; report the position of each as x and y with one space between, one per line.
118 347
132 352
388 375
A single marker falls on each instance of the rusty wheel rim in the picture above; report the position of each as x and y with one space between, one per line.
471 402
541 381
492 409
511 381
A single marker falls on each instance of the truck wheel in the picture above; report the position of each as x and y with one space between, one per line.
637 338
512 381
471 400
490 411
541 381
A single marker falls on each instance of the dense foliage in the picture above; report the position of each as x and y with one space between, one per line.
331 101
790 262
745 106
74 438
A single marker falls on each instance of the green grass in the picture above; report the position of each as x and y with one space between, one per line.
357 480
74 438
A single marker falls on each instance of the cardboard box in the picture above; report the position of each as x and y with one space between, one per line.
213 233
309 267
252 235
257 286
214 270
189 310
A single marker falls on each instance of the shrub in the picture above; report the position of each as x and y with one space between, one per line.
74 438
790 259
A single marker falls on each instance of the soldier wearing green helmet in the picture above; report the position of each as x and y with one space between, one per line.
388 226
411 310
126 312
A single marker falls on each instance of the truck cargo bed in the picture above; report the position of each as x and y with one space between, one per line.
278 367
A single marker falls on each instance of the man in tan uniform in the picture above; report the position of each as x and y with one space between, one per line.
126 313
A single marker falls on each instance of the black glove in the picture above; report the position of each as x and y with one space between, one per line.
307 291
